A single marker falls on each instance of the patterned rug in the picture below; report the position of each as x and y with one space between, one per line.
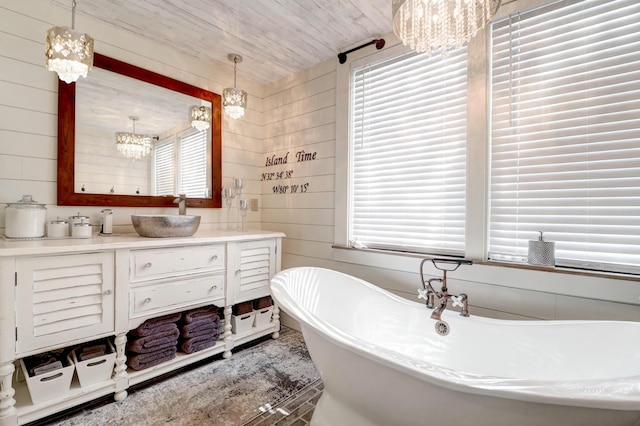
224 392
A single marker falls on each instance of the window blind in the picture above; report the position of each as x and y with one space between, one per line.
164 177
565 123
408 138
192 164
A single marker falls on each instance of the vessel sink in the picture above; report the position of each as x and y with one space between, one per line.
165 225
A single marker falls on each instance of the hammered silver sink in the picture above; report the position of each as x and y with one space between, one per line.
165 225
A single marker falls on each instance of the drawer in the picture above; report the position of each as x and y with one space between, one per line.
170 262
159 297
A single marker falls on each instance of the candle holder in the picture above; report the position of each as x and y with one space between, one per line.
228 194
244 206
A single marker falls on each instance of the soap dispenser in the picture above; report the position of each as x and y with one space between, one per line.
542 252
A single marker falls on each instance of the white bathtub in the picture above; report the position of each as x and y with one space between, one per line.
382 362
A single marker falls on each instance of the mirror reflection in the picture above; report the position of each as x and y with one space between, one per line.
136 138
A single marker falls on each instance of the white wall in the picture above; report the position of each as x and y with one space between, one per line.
28 109
300 114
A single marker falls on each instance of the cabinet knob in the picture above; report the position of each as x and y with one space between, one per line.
214 257
215 287
147 265
147 300
107 292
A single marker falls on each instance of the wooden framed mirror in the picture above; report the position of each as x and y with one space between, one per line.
71 106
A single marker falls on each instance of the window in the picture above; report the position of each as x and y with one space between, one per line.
408 141
565 122
180 165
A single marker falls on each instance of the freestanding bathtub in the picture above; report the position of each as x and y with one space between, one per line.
383 363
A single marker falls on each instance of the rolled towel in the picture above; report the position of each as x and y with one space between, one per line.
200 314
198 328
196 344
142 361
148 331
154 342
147 327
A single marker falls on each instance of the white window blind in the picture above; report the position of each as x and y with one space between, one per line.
566 133
192 164
164 160
408 140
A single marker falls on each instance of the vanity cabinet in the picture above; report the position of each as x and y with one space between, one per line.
60 293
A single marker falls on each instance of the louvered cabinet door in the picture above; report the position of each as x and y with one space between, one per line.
63 299
253 263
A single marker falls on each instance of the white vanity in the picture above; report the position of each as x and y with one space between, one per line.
60 293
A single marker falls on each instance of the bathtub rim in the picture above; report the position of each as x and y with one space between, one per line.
588 393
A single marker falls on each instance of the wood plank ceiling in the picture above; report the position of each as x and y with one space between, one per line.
275 37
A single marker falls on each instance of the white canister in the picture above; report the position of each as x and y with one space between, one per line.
57 228
73 220
81 230
25 218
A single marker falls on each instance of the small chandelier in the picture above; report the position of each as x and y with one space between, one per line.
234 100
432 25
69 52
200 117
132 145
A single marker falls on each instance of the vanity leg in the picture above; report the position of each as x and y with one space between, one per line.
120 370
8 413
275 318
228 340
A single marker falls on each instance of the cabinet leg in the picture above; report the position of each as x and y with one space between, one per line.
275 318
7 403
228 341
120 370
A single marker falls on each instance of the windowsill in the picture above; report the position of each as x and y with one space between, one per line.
504 264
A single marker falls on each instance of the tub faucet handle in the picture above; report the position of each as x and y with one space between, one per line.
423 293
457 301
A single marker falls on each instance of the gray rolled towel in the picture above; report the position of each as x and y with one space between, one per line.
198 328
150 326
196 344
142 361
154 342
200 314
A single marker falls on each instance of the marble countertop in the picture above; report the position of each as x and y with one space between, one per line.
18 247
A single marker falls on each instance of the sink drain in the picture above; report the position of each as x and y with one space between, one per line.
442 328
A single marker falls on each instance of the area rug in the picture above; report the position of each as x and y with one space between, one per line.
224 392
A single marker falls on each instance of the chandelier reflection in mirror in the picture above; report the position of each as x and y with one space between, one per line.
433 25
69 52
234 100
200 117
132 145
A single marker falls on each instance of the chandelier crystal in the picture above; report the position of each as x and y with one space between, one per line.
234 100
68 52
432 25
132 145
200 117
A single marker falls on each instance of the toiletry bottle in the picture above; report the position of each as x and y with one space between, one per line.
107 222
541 252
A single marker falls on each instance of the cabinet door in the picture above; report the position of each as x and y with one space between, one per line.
61 299
252 264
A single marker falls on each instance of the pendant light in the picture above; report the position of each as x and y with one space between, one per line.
234 100
200 117
433 25
132 145
69 52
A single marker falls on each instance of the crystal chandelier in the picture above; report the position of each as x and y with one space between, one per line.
131 145
200 117
432 25
69 52
234 100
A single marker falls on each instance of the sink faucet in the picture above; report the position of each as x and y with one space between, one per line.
429 293
181 201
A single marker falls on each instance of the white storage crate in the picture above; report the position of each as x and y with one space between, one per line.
94 370
50 385
242 323
263 316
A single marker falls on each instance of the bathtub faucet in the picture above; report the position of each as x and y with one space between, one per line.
429 293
